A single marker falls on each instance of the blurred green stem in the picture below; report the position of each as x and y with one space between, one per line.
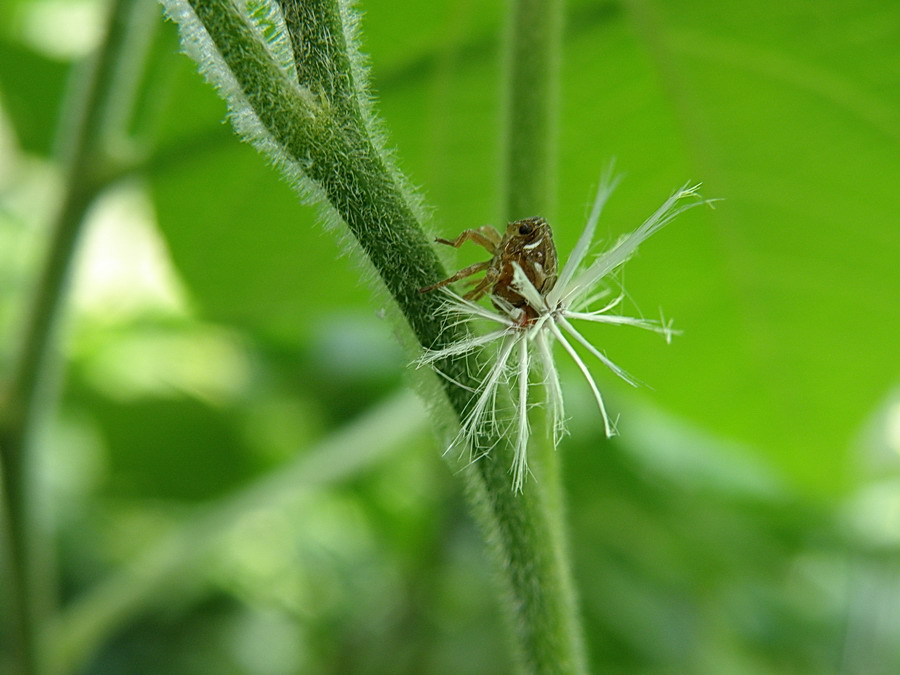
532 67
25 393
532 64
154 577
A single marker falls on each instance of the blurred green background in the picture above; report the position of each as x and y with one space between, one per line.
235 478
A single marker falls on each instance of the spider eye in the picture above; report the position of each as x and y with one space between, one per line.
526 228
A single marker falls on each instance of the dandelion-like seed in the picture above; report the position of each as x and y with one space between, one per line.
533 309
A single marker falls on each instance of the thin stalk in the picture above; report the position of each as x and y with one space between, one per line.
317 125
154 576
25 392
532 66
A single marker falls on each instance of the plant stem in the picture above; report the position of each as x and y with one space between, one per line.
319 126
320 131
154 576
25 392
532 63
532 66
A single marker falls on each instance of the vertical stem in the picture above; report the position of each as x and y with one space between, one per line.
532 101
533 63
23 394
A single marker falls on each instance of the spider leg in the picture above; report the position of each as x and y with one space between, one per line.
485 236
482 287
548 284
465 272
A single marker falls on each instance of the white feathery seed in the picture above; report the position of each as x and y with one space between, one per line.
524 353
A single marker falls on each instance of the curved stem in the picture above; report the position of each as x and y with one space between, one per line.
26 388
317 125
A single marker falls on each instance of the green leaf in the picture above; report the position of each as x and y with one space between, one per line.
171 448
32 88
787 291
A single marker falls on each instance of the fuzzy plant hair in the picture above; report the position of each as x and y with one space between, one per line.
295 85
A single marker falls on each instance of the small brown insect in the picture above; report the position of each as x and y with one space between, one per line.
528 242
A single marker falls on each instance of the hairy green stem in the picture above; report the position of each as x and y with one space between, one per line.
321 132
315 123
26 389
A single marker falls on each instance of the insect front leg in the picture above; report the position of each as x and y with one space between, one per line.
465 272
549 283
489 280
485 236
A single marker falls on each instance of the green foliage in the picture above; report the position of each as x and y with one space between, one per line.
746 528
32 93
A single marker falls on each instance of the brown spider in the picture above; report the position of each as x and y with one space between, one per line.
528 242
